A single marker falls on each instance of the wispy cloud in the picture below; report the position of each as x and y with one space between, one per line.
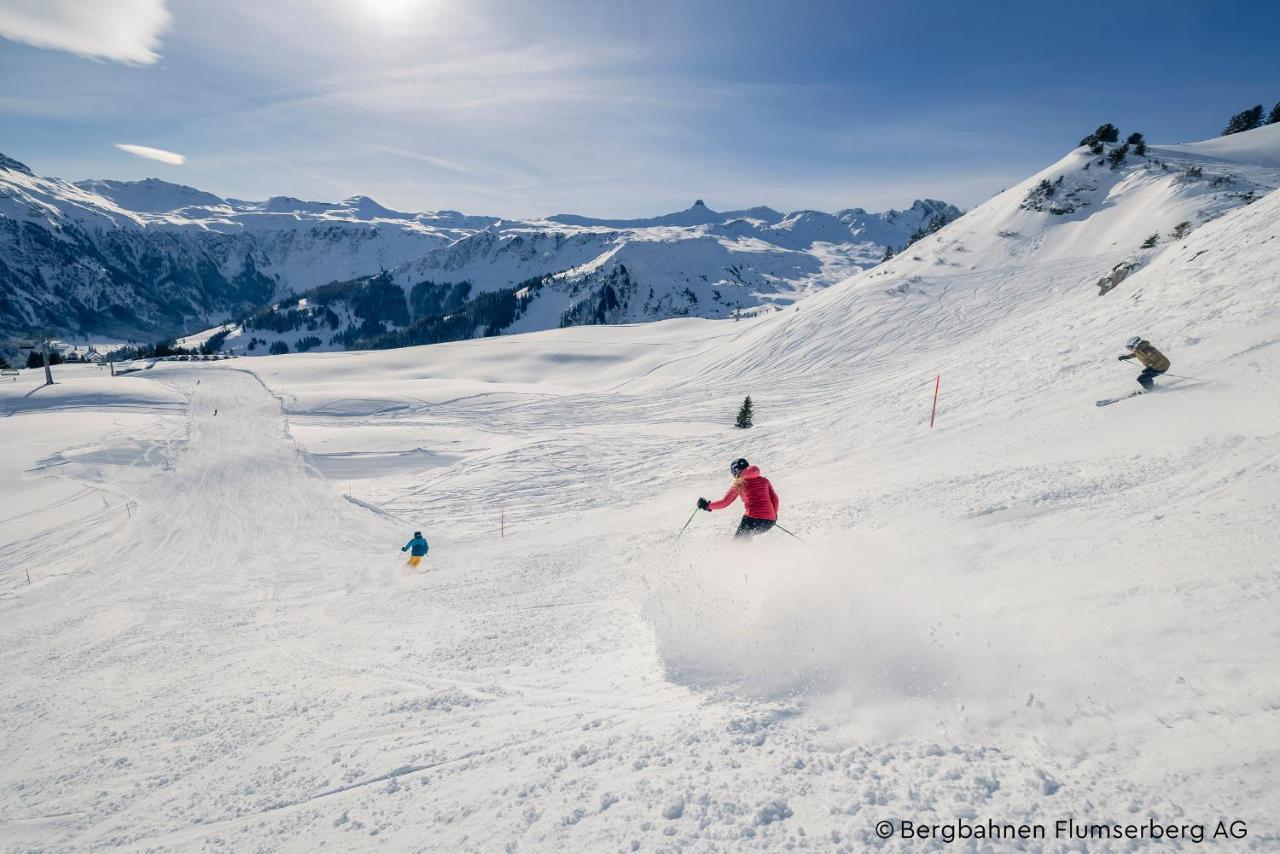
171 157
440 162
121 30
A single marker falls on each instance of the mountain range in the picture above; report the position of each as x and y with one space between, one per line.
152 259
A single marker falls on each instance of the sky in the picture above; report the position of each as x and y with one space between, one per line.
612 107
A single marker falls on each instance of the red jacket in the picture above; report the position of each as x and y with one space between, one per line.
757 494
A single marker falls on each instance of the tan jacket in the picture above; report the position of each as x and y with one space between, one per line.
1150 357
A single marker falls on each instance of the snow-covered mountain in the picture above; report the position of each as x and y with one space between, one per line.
151 258
522 276
1116 208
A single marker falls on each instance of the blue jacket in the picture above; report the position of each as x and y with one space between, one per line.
419 546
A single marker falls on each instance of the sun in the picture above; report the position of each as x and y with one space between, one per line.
389 8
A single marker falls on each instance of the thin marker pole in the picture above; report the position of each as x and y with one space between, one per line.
934 414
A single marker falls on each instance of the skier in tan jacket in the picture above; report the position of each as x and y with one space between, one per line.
1154 363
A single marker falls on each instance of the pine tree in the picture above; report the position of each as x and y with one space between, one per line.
1094 144
888 253
35 360
1117 155
745 414
1244 120
1275 114
1108 133
1139 144
1151 241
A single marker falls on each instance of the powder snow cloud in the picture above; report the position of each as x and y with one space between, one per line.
173 158
123 30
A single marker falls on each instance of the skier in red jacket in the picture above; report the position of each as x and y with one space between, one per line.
757 493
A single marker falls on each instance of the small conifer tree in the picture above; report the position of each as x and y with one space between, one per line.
1151 241
1275 114
1244 120
745 414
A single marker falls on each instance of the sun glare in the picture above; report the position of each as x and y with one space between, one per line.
389 8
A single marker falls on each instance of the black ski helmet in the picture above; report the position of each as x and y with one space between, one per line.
738 466
417 533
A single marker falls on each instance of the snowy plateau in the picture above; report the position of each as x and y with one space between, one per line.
1034 611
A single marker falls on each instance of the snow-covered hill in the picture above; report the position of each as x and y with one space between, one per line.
150 258
1036 610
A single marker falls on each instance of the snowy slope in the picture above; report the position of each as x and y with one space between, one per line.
1096 209
1036 610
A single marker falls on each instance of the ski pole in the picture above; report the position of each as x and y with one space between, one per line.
1180 376
686 524
785 531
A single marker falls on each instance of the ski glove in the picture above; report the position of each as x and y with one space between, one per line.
704 504
1124 358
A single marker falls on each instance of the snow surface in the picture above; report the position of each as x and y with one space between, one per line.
1038 609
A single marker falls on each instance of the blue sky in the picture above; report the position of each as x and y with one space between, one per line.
613 107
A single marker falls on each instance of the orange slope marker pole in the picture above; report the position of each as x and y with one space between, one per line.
934 414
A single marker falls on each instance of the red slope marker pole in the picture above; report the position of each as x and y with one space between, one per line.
934 413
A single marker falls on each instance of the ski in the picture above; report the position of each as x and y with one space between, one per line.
1110 400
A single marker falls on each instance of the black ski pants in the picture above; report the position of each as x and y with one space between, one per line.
750 526
1146 379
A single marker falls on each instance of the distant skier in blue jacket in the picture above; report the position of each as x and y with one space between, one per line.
417 548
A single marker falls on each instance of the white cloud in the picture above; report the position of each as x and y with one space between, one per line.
121 30
170 157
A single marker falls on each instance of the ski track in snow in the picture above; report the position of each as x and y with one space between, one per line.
1038 610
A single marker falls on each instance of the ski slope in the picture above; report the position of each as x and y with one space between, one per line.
1036 610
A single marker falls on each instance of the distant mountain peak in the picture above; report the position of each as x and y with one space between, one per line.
151 195
368 208
15 165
